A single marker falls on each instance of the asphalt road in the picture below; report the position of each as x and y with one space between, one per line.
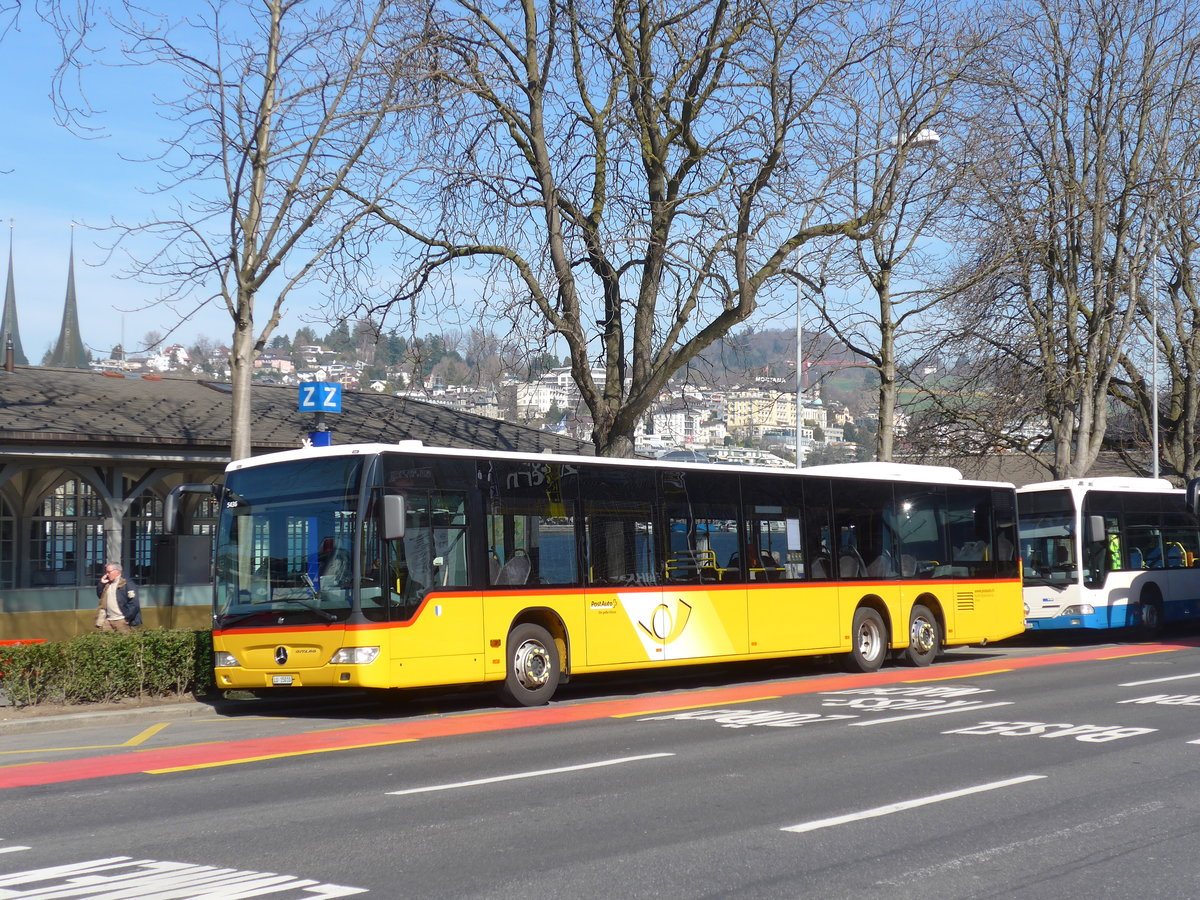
1021 771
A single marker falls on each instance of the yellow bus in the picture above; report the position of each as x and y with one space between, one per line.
404 566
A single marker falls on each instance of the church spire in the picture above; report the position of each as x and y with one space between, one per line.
8 325
69 352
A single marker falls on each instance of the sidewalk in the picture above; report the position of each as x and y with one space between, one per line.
57 716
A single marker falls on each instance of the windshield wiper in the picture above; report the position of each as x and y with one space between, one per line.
311 607
226 619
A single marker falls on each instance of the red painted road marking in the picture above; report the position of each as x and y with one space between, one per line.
232 752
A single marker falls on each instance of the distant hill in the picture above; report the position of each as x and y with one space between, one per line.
753 353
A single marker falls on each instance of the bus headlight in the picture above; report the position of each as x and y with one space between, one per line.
1083 609
357 656
223 660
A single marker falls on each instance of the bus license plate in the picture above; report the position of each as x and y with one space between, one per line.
281 679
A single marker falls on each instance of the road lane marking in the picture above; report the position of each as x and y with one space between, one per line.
936 712
134 741
671 709
149 879
216 764
908 804
1159 680
1141 652
958 677
15 848
519 775
145 735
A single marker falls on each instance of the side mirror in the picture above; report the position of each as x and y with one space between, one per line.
171 503
393 517
1193 496
1093 530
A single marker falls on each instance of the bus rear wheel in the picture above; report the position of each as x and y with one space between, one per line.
868 640
1152 614
533 667
924 637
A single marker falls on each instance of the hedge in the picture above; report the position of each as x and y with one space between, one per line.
105 666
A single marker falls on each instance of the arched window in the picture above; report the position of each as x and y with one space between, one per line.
66 545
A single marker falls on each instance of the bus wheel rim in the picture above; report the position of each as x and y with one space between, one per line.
532 665
868 641
922 636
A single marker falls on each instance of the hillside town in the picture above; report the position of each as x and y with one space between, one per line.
745 416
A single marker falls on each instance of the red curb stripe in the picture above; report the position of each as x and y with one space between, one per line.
146 761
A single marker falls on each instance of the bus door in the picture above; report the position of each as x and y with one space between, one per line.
791 598
867 557
427 579
624 616
703 608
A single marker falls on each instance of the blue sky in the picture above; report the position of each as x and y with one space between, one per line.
50 178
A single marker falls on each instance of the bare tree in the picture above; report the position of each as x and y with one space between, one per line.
1082 93
278 102
631 180
1166 357
901 263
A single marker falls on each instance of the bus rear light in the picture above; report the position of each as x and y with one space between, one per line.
356 656
223 660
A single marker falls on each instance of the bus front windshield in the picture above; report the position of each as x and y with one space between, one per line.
1047 535
285 543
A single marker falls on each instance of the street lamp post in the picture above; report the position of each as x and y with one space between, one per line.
799 378
1153 367
926 137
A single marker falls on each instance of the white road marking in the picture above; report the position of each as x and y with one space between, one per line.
936 712
1159 680
12 849
519 775
148 879
908 804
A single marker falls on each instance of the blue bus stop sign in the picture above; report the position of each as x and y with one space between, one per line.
320 397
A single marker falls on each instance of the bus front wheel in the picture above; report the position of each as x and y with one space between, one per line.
533 667
924 637
868 640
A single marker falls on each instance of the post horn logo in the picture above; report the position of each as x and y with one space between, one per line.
665 626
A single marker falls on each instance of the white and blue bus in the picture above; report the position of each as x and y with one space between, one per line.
1104 553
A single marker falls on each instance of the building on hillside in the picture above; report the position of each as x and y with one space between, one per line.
555 388
276 361
680 424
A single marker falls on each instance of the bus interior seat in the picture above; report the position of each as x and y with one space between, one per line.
1175 556
881 567
516 570
821 567
494 568
850 566
1135 559
908 565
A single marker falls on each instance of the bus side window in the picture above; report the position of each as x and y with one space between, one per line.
619 515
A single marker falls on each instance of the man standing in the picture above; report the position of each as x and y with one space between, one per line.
118 608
